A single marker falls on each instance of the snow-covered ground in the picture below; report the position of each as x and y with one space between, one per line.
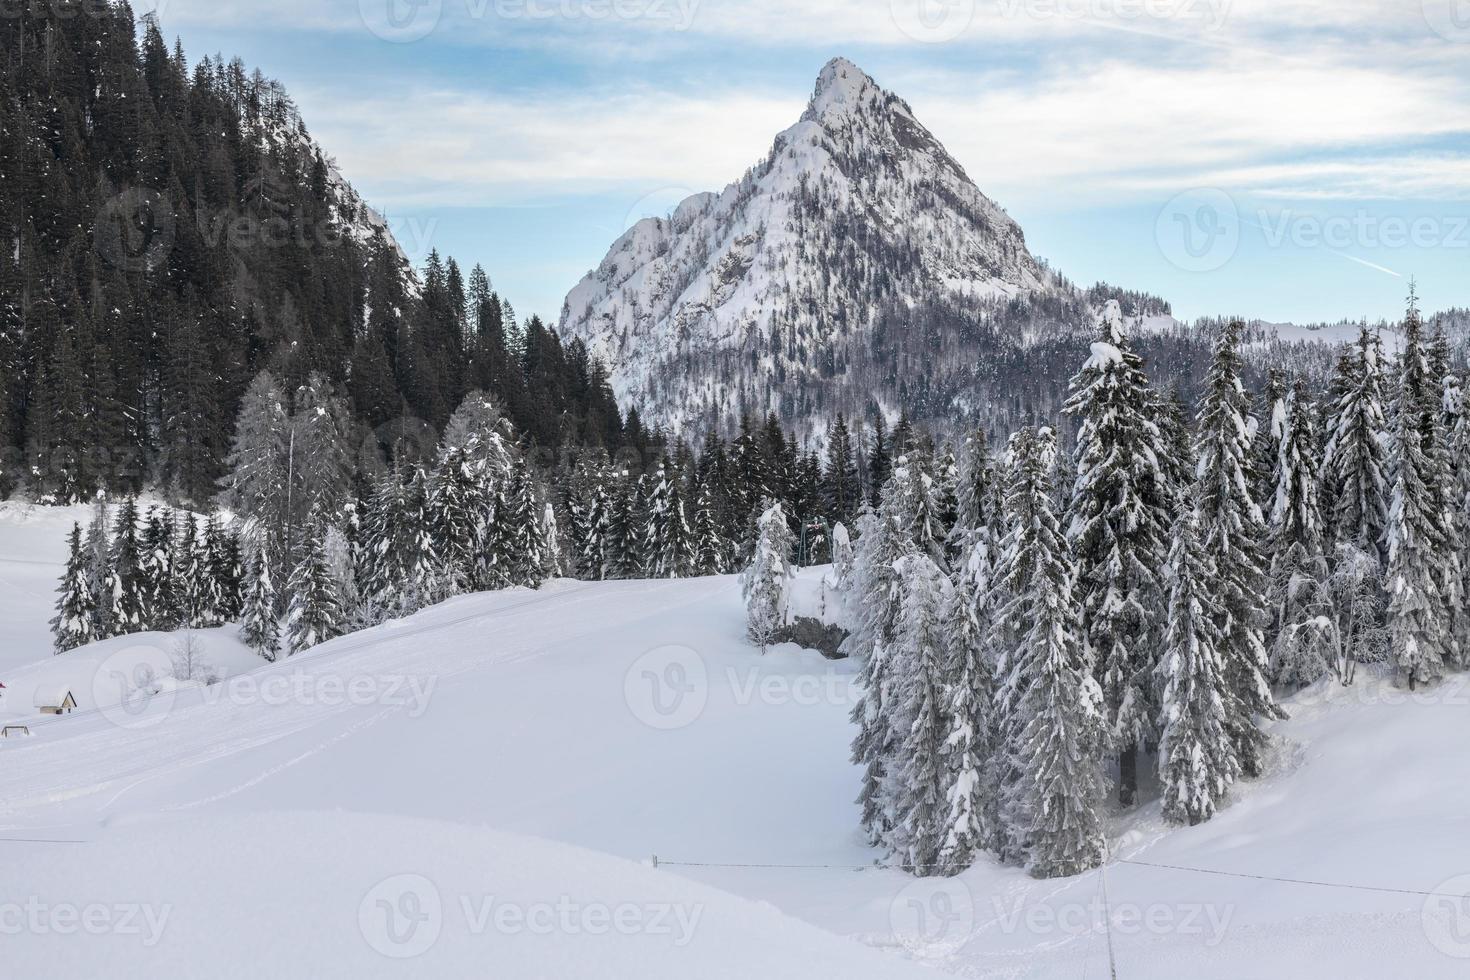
32 557
481 789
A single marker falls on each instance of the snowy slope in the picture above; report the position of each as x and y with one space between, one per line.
856 204
32 558
491 737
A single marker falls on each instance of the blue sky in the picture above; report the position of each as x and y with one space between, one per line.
1290 160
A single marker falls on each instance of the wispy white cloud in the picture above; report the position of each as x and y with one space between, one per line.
1116 128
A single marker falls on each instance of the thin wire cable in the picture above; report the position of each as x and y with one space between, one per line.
1289 881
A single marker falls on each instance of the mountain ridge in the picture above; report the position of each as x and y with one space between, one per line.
856 206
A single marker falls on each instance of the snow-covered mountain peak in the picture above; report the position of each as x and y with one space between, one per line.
857 208
842 86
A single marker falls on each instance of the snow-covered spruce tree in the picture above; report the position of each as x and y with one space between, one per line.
1120 510
496 567
480 428
1265 439
1197 762
156 563
624 546
667 537
76 604
126 589
381 546
710 548
319 460
1178 463
873 595
341 567
912 499
260 627
1447 499
190 573
1356 464
971 780
1056 727
1230 535
919 710
258 463
947 491
1457 437
1356 591
976 495
591 511
554 566
842 490
1418 621
526 552
225 569
455 514
842 557
766 583
1304 634
314 613
98 557
425 581
1006 627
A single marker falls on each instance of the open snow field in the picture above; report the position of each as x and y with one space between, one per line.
479 790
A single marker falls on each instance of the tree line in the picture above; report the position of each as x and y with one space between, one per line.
171 231
315 537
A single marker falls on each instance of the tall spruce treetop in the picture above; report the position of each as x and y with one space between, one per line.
1230 535
76 603
977 499
1296 515
1448 467
1300 636
1457 436
842 491
920 710
912 500
1054 721
874 596
1418 619
972 791
1356 464
1120 511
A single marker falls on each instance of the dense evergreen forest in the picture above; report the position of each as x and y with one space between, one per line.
172 231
